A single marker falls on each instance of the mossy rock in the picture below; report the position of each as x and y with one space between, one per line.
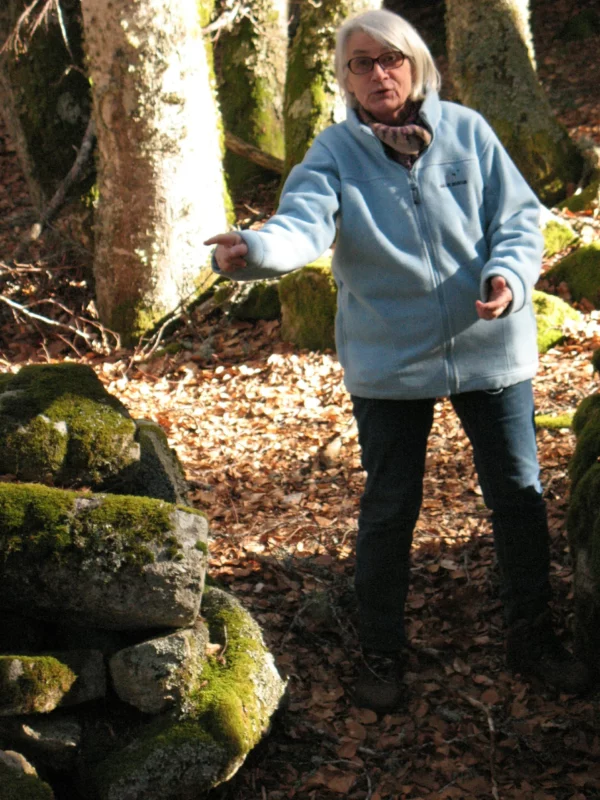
308 306
586 424
109 561
551 313
261 301
158 472
59 425
17 785
227 711
581 272
33 684
586 199
557 237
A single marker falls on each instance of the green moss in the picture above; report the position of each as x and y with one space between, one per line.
551 313
553 423
251 68
202 547
42 683
587 410
15 785
586 425
581 272
548 159
308 306
261 302
42 523
583 201
583 518
224 700
222 712
58 423
557 237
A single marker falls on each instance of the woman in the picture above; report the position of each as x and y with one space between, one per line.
437 251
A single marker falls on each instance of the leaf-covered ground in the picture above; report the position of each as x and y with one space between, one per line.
251 418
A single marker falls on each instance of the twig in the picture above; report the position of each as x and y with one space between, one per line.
60 195
492 728
226 19
24 310
14 40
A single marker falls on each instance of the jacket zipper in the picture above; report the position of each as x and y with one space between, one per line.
420 213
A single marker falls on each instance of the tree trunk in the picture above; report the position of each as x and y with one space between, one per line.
44 97
251 65
160 180
312 99
493 66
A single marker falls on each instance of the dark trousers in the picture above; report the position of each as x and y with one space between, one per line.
393 438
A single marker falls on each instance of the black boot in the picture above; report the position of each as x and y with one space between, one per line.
533 649
379 684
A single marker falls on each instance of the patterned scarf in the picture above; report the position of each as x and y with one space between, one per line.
404 142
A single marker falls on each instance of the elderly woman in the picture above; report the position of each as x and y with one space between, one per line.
437 249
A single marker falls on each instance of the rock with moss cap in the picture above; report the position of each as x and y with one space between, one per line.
551 314
308 305
157 473
19 780
59 425
36 684
581 272
583 525
110 561
227 709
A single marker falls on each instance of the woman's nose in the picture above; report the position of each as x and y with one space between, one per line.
378 71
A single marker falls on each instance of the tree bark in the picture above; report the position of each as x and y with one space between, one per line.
44 97
251 64
312 99
492 63
160 179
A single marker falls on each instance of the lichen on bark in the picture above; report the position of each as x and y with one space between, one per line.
312 100
492 64
159 161
251 59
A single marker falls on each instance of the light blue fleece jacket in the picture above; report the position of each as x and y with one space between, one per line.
414 251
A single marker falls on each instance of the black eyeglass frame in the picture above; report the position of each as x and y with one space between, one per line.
374 61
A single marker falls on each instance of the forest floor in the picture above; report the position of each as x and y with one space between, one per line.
249 416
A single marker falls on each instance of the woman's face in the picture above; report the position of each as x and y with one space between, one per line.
381 93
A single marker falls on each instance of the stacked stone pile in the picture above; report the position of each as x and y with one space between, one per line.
120 677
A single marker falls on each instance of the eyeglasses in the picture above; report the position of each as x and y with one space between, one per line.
360 65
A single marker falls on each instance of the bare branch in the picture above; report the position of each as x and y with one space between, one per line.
225 20
61 193
20 38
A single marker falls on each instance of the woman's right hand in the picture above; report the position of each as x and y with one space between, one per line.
230 251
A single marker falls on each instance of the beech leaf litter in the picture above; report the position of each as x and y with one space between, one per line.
266 437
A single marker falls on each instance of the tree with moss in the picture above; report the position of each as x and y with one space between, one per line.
250 56
492 62
44 93
160 179
312 100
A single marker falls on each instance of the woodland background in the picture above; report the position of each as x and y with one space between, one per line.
250 417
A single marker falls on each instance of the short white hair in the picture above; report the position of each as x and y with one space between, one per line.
393 30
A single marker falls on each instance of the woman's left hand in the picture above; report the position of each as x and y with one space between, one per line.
499 299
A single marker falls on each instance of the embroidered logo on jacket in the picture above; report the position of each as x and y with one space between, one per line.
452 179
